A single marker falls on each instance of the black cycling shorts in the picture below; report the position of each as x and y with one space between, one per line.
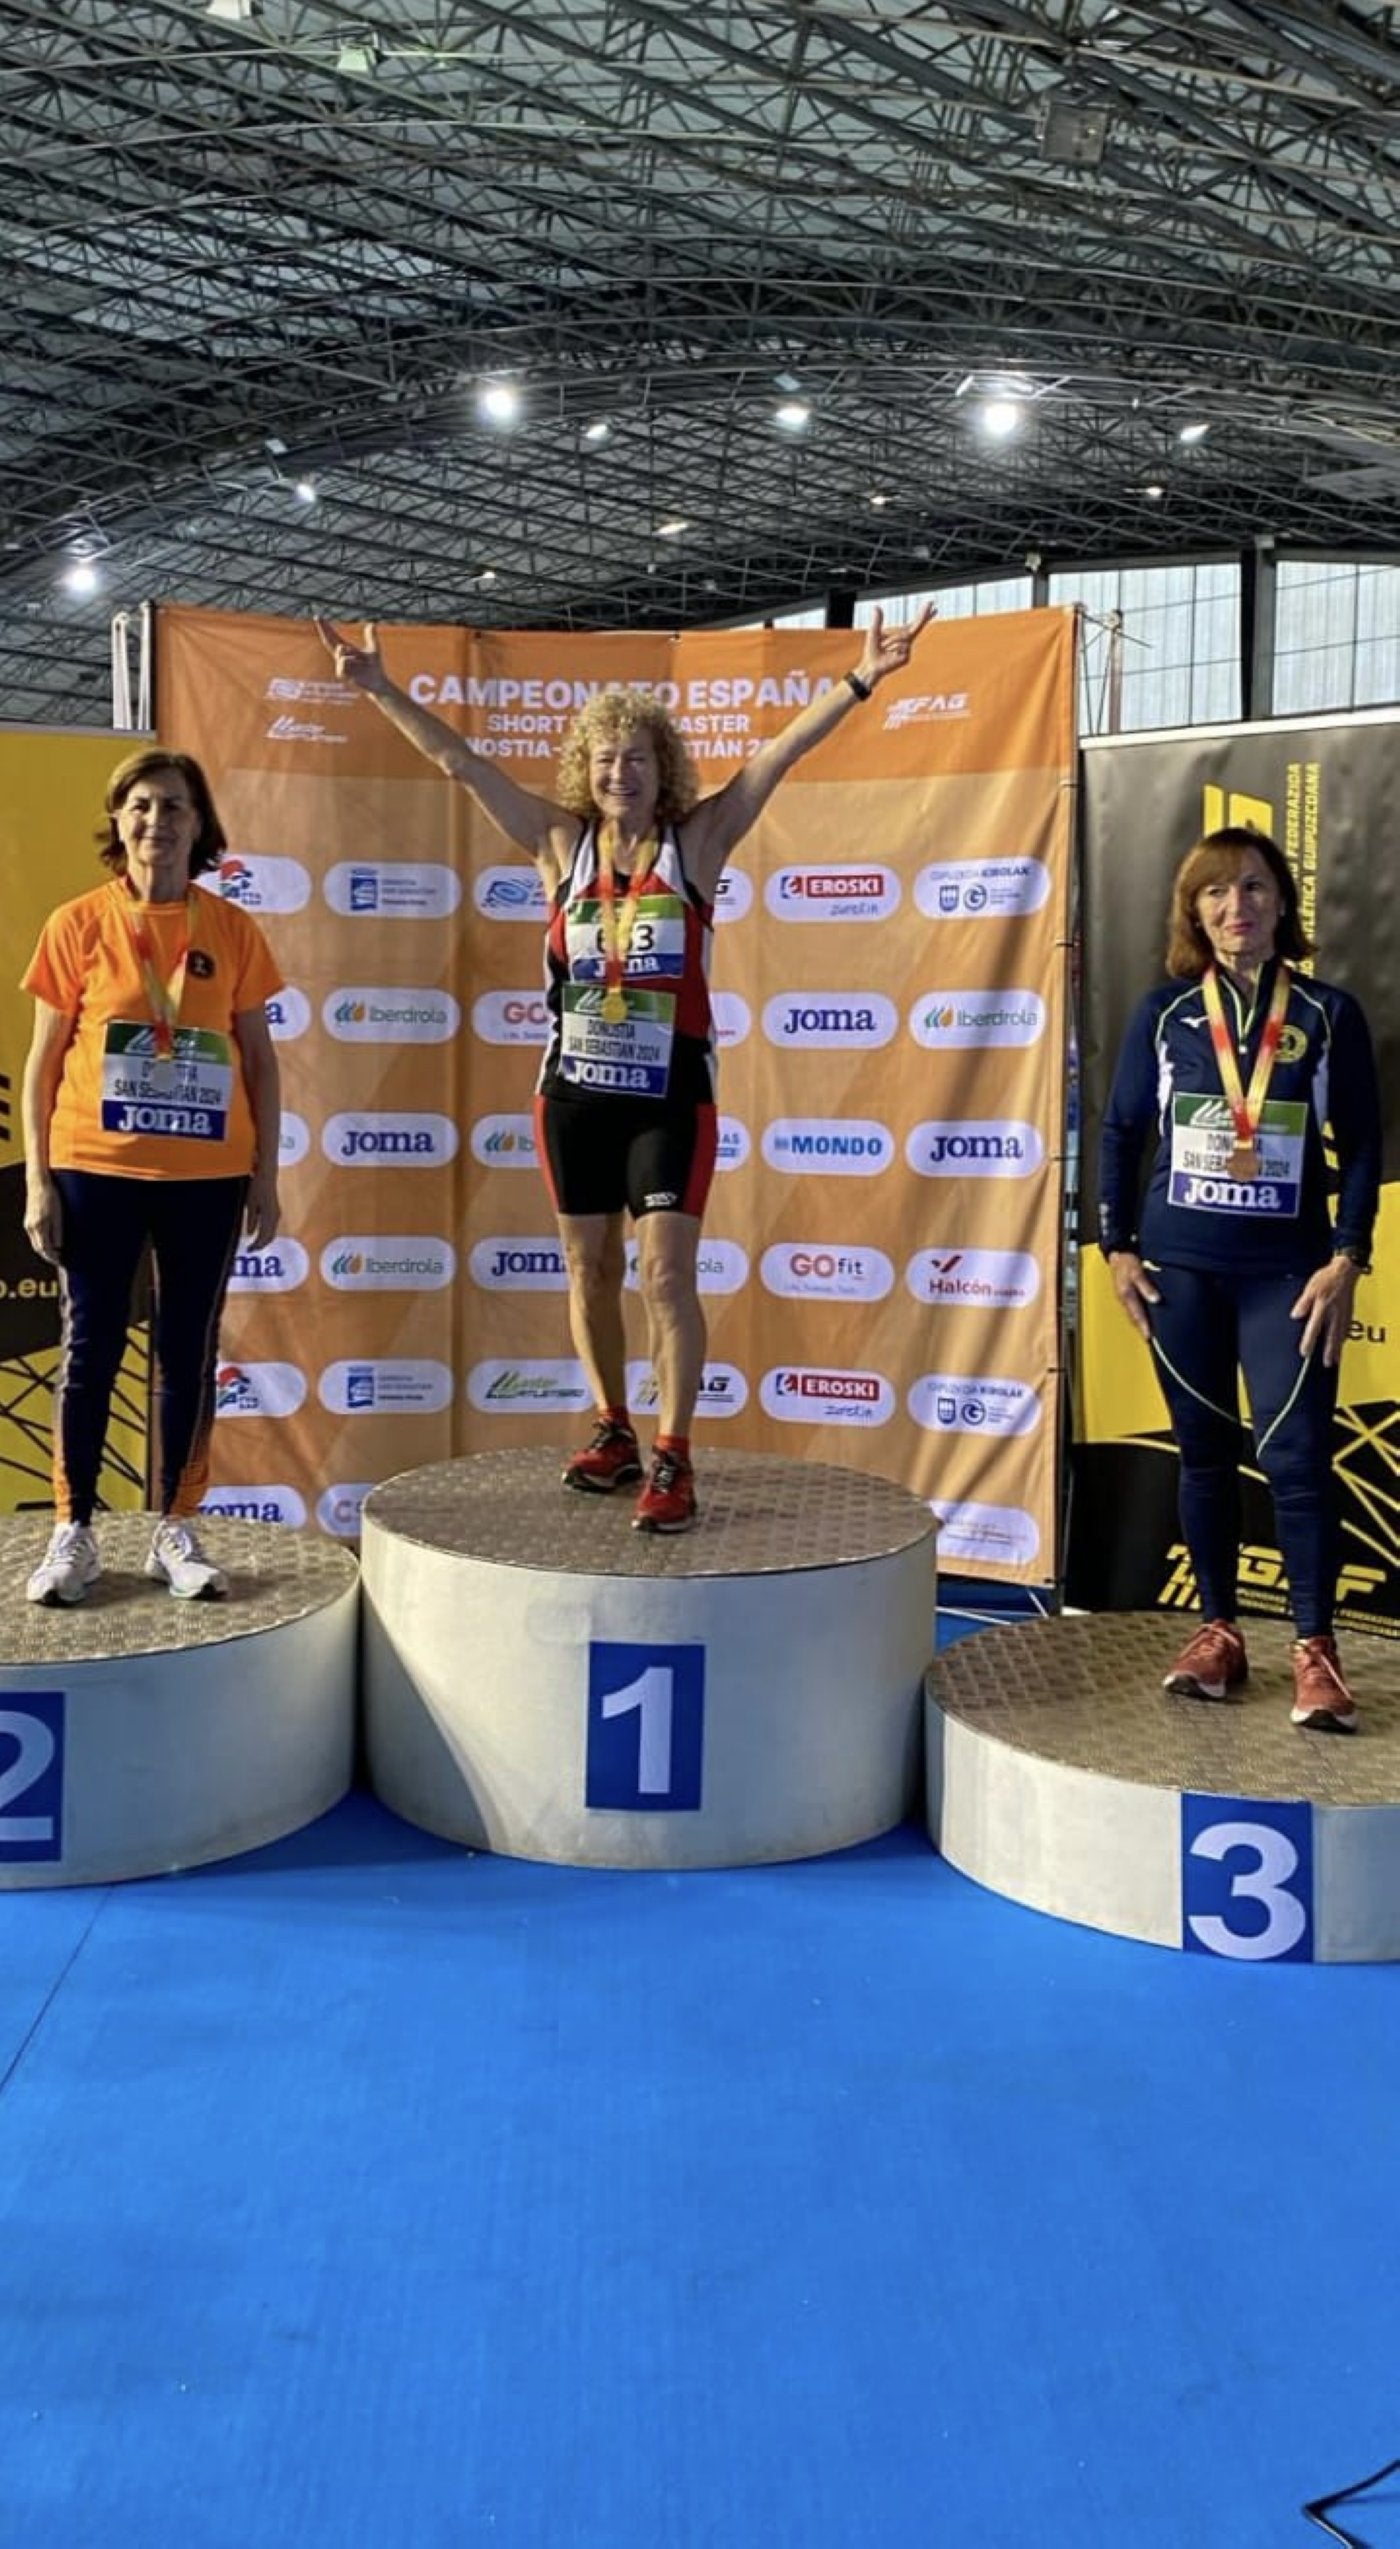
624 1154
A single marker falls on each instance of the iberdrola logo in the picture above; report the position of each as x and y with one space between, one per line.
350 1013
348 1262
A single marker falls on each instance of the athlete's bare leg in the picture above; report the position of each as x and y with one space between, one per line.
668 1245
595 1256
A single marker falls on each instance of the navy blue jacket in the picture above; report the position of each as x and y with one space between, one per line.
1194 1212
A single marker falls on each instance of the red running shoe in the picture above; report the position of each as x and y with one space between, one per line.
612 1458
1322 1704
667 1502
1212 1664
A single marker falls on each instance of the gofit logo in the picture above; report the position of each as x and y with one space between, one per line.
732 1145
732 1018
832 893
539 1385
809 1272
293 1140
341 1509
281 1268
257 1504
927 708
721 1266
519 1265
259 884
723 1390
378 1264
389 1141
511 893
392 889
388 1387
511 1017
259 1389
733 896
974 1148
815 1146
831 1021
951 1403
997 1278
381 1013
504 1141
981 889
288 1015
798 1395
1000 1535
941 1019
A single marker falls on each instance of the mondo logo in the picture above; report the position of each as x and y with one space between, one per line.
385 1388
377 1264
733 896
258 1389
946 1403
340 1509
945 1018
830 1020
288 1015
973 1148
803 1396
723 1390
293 1140
511 1017
538 1385
392 889
381 1013
504 1141
805 1272
1002 1535
281 1268
732 1018
1002 1278
982 889
511 893
389 1141
519 1265
732 1144
257 1504
259 884
832 893
808 1146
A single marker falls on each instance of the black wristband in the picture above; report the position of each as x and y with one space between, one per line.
1356 1257
860 688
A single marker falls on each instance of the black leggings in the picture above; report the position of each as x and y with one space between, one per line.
192 1224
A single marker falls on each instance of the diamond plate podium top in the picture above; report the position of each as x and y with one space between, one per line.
276 1575
757 1517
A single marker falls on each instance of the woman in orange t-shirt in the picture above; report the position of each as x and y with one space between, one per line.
152 1113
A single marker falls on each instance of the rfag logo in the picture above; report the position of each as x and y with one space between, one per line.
800 1395
969 1147
259 884
257 1504
504 1141
511 1017
723 1390
832 893
830 1021
815 1273
387 1013
389 1141
283 1267
259 1389
927 708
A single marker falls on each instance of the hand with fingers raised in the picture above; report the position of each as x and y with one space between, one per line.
363 664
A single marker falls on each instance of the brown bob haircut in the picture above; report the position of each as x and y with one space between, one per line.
211 840
1216 859
606 718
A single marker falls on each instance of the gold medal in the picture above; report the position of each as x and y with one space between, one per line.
615 1008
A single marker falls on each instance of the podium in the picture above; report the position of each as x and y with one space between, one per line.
140 1734
543 1681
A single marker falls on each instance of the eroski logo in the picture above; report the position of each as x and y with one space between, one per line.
807 1271
972 1147
259 1389
519 1265
833 893
282 1267
828 1147
389 1141
799 1394
831 1021
257 1504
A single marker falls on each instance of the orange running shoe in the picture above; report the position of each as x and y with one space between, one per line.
612 1458
1211 1665
667 1502
1322 1704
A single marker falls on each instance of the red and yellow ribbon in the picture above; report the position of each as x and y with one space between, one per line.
1246 1107
619 920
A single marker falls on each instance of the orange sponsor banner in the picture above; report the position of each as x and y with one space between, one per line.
879 1267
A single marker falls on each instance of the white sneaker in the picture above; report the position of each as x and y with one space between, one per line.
175 1553
68 1566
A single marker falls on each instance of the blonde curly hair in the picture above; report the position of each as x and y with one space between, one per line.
626 709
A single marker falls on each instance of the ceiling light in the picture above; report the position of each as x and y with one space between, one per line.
80 577
792 415
305 491
1155 492
877 499
1071 134
672 530
1001 417
787 382
1193 433
499 402
598 431
236 12
487 575
360 55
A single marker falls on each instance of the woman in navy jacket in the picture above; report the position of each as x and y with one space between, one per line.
1238 1258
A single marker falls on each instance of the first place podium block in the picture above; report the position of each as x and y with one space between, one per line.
543 1681
139 1734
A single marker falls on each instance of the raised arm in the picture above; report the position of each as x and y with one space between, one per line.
535 823
719 823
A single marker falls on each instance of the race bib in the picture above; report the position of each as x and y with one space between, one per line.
185 1093
627 1057
656 952
1203 1147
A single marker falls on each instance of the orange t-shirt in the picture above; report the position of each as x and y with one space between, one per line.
116 1094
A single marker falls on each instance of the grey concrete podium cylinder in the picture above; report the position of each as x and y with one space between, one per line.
543 1681
140 1734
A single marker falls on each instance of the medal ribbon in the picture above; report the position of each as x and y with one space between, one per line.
165 997
618 925
1246 1109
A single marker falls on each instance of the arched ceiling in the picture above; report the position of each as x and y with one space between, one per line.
247 251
